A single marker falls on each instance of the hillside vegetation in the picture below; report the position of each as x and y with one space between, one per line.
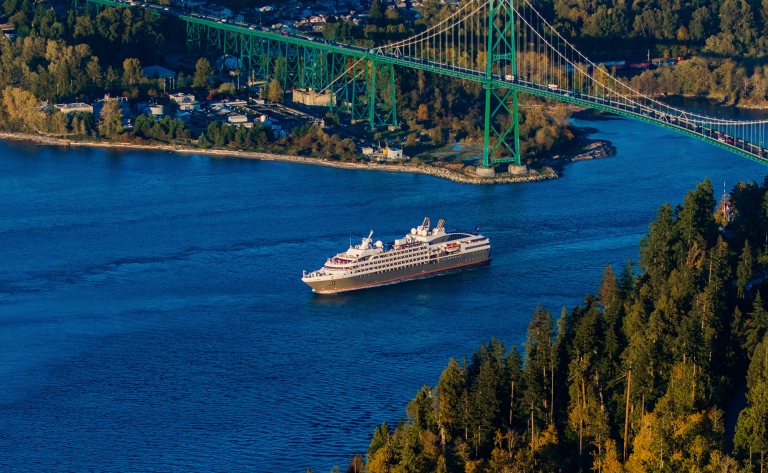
633 380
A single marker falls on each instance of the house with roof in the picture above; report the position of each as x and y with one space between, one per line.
186 102
67 108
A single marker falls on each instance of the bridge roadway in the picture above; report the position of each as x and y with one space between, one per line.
679 123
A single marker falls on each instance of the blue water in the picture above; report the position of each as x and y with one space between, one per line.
152 316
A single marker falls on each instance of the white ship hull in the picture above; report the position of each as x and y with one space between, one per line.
422 253
445 265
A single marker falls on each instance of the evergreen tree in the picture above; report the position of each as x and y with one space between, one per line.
656 248
609 297
695 219
749 219
450 393
380 439
485 403
752 426
536 377
559 371
756 326
676 330
744 270
578 405
420 409
516 411
627 281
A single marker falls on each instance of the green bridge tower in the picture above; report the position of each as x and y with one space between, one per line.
502 61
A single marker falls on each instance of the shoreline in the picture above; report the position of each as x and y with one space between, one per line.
428 169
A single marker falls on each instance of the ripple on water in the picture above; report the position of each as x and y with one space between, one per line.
153 317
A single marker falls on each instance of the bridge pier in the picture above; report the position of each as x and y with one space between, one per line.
485 171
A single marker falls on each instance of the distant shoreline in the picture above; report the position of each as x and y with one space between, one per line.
437 171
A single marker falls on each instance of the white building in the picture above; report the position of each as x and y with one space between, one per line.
186 102
67 108
237 119
393 153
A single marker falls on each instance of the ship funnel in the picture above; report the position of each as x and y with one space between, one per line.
425 224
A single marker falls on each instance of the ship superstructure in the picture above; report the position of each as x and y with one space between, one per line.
421 253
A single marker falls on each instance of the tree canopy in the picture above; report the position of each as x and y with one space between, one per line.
633 380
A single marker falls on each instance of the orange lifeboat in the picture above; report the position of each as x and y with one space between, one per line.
452 247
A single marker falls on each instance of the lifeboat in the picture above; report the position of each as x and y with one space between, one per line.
452 247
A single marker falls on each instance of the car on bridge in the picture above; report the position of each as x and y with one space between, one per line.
724 138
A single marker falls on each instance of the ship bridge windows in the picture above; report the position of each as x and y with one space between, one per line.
451 237
457 236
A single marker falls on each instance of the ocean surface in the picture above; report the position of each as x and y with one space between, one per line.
152 316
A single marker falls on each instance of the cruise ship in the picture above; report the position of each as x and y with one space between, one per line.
422 253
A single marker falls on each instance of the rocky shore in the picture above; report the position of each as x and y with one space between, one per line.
588 148
597 149
465 175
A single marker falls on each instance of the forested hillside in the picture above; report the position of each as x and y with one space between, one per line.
635 379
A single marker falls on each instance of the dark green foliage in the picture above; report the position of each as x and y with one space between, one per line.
537 372
221 135
166 129
752 427
745 269
756 327
678 328
376 13
380 439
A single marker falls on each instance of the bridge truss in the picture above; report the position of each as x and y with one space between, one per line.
505 45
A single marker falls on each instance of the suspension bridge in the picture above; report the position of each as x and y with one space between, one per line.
504 45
